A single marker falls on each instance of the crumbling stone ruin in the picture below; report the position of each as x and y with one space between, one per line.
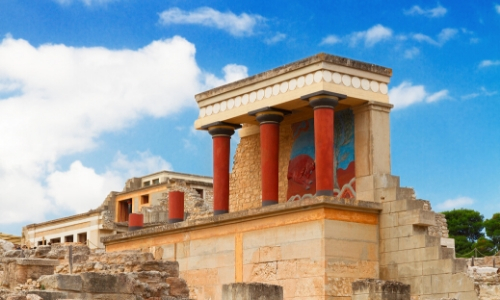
72 271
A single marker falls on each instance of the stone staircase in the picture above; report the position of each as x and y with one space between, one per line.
409 254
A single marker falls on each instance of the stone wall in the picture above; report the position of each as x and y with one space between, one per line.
260 291
373 289
411 255
245 179
83 274
441 227
487 282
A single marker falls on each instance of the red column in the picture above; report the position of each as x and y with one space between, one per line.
221 136
269 149
324 103
323 143
135 222
175 206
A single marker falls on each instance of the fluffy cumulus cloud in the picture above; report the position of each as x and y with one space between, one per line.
232 72
237 25
372 36
57 100
369 37
489 63
435 12
444 36
459 202
407 94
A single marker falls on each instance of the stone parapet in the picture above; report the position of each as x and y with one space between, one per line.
255 213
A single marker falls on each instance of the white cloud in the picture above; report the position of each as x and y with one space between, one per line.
411 53
232 72
443 94
57 100
407 94
278 37
371 36
435 12
483 92
489 63
330 40
444 36
497 8
237 25
459 202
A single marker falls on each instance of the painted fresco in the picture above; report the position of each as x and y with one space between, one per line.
301 168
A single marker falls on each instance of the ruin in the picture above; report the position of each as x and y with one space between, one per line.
310 209
310 203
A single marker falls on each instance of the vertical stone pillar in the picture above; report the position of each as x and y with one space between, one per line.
221 137
372 148
323 103
269 120
175 206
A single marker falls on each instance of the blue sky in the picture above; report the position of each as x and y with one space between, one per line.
93 92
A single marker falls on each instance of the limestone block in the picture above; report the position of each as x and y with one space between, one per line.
350 231
389 245
62 282
310 249
388 220
460 282
448 242
226 274
441 283
50 295
251 255
260 272
386 194
411 269
178 287
336 267
384 181
470 295
168 252
389 272
33 297
202 247
365 183
417 217
269 253
418 241
287 269
437 266
402 231
407 204
225 243
308 267
237 291
374 289
201 262
106 283
351 249
309 287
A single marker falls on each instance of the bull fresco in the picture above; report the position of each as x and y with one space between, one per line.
301 168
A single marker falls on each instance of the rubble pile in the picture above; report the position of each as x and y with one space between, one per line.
72 271
487 281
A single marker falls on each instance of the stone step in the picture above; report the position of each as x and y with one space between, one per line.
405 193
402 205
417 217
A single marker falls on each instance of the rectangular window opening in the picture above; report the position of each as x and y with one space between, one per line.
124 210
146 183
156 181
82 237
145 199
68 239
200 192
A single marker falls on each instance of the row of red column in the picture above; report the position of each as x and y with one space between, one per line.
269 118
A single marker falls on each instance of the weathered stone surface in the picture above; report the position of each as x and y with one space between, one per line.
33 297
178 287
50 295
62 282
257 291
106 283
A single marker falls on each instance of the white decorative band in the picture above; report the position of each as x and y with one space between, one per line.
292 84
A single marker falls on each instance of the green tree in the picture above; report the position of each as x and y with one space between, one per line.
463 248
492 227
465 222
485 247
